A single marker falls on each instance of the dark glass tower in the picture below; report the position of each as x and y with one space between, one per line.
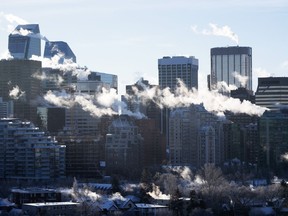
25 41
59 48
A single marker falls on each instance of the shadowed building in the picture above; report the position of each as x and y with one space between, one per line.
122 147
195 137
17 83
28 154
273 135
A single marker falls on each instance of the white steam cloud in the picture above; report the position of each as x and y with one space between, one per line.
67 66
63 99
157 194
211 100
56 78
224 87
285 157
224 31
6 55
106 102
242 79
9 20
16 93
25 32
261 72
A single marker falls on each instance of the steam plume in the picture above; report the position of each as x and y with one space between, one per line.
224 31
261 72
212 101
25 32
68 66
285 156
6 55
242 79
56 78
10 20
63 99
16 93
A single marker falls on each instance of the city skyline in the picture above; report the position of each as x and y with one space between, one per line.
127 38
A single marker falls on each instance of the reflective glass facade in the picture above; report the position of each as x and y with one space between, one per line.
23 47
60 48
110 79
225 61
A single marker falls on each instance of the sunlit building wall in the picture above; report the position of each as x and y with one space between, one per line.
225 61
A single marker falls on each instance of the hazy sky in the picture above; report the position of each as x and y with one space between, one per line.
127 37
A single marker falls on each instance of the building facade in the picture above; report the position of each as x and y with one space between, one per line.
273 138
106 78
25 41
51 119
225 61
122 147
6 108
272 92
27 154
170 69
18 83
60 49
195 137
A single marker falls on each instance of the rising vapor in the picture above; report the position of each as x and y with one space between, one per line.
6 55
106 102
211 100
67 66
224 31
16 93
10 20
87 102
25 32
285 157
242 79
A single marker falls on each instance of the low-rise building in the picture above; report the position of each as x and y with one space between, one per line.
26 153
51 208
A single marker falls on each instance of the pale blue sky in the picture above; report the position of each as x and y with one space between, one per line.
127 37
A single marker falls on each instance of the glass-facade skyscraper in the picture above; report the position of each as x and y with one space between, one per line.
25 41
59 48
225 61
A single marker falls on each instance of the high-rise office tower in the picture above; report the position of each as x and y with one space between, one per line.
272 92
170 69
17 83
24 41
178 67
227 63
59 48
